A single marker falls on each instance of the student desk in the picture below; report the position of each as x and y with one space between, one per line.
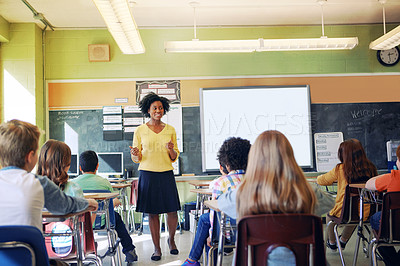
77 231
122 187
201 195
106 198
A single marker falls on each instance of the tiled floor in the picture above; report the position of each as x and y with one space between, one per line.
144 248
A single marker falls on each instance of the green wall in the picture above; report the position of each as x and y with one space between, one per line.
22 58
4 30
67 54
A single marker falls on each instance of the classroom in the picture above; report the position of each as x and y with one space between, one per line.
52 76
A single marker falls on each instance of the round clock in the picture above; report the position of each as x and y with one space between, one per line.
389 57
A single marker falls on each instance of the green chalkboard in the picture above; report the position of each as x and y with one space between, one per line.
371 123
85 127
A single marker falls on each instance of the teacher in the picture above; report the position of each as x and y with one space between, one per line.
155 148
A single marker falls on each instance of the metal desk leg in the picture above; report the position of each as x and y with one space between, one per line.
124 208
78 238
360 227
221 240
196 215
111 236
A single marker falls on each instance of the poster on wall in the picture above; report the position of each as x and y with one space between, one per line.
170 89
326 150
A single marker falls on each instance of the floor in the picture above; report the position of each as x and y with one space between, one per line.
144 249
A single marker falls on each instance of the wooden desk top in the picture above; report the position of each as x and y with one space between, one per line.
204 191
47 214
119 180
100 196
212 204
120 185
200 183
357 185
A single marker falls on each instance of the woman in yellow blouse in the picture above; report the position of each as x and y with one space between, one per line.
155 148
354 167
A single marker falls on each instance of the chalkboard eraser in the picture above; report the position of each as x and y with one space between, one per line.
187 174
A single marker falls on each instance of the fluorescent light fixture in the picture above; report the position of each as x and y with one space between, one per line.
387 40
260 45
121 25
223 46
323 43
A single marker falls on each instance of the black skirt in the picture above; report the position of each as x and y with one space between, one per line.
157 192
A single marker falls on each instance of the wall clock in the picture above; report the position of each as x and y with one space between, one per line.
389 57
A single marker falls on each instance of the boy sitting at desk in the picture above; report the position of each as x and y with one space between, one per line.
232 157
88 164
23 194
391 183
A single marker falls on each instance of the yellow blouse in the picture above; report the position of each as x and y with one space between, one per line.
338 176
155 156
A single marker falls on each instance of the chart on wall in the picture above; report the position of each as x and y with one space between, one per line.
170 89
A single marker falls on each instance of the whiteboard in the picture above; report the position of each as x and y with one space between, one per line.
248 111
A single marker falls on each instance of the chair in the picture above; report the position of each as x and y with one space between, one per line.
258 235
389 230
22 245
89 247
350 215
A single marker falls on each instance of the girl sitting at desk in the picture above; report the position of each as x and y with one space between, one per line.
354 167
274 183
54 162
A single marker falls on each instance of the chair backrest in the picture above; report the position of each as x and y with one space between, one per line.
351 206
89 246
101 207
301 233
26 236
390 220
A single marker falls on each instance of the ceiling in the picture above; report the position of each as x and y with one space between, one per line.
209 13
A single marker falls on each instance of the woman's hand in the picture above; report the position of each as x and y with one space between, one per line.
169 145
171 152
136 154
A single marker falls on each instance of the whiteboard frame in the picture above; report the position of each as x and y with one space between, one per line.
202 116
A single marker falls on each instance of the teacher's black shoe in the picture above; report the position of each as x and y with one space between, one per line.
174 251
155 257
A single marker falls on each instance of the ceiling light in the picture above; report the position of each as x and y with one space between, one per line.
387 40
260 45
223 46
121 25
323 43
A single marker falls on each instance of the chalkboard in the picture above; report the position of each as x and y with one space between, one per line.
371 123
85 132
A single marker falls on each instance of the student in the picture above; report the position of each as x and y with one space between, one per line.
354 167
23 194
391 183
88 164
274 183
232 157
54 162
